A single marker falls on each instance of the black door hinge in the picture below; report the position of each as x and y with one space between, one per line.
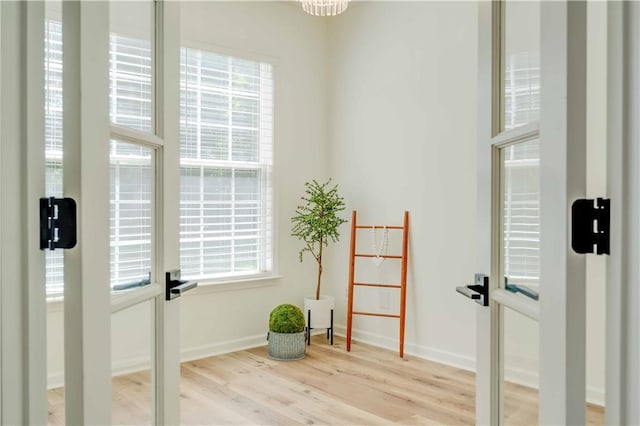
57 223
590 222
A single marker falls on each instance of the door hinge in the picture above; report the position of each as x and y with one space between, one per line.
57 223
590 222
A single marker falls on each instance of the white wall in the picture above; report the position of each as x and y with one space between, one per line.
215 320
295 44
403 135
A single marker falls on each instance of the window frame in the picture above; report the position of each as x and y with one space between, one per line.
268 276
263 276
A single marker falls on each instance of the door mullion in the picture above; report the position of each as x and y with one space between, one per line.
87 304
623 187
36 315
167 331
563 179
485 413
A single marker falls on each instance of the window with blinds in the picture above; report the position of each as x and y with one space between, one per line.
226 145
132 171
521 202
131 166
131 217
130 82
521 221
522 89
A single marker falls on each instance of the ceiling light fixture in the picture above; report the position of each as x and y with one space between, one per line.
324 7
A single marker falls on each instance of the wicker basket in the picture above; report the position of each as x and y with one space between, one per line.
286 346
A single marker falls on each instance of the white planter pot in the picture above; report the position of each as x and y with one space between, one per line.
320 311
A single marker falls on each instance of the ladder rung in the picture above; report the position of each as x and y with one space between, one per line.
378 285
378 227
374 314
384 256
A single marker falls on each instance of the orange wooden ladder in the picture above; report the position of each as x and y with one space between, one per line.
403 276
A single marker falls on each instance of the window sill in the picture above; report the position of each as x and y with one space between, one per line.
204 287
218 286
55 304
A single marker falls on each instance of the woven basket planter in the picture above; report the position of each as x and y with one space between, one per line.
286 346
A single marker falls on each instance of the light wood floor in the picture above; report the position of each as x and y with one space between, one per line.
367 386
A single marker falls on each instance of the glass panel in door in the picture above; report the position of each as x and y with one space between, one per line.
53 133
520 369
132 341
520 63
131 41
520 201
132 178
520 267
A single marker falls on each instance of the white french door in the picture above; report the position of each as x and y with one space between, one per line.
95 148
623 186
531 167
121 167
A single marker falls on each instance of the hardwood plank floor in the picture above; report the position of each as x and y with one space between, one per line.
367 386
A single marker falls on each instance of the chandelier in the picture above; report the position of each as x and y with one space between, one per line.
324 7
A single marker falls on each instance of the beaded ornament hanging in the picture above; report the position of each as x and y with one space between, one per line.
379 252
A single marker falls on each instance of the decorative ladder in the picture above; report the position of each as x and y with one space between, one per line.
403 277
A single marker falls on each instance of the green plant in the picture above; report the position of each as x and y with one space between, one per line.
286 319
316 221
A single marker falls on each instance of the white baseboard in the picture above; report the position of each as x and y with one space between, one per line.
448 358
56 379
128 366
526 378
595 396
225 347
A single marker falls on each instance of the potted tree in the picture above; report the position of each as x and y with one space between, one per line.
286 333
316 223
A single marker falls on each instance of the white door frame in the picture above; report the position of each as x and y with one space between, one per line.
623 186
561 309
563 272
87 299
35 266
23 323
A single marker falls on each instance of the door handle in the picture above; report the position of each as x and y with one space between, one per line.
175 286
478 291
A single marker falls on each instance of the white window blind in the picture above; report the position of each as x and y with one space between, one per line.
522 89
522 213
130 78
522 169
132 174
131 216
226 145
130 165
53 143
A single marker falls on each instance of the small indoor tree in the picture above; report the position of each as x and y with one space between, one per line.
316 221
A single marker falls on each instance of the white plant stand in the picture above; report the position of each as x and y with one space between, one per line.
319 315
